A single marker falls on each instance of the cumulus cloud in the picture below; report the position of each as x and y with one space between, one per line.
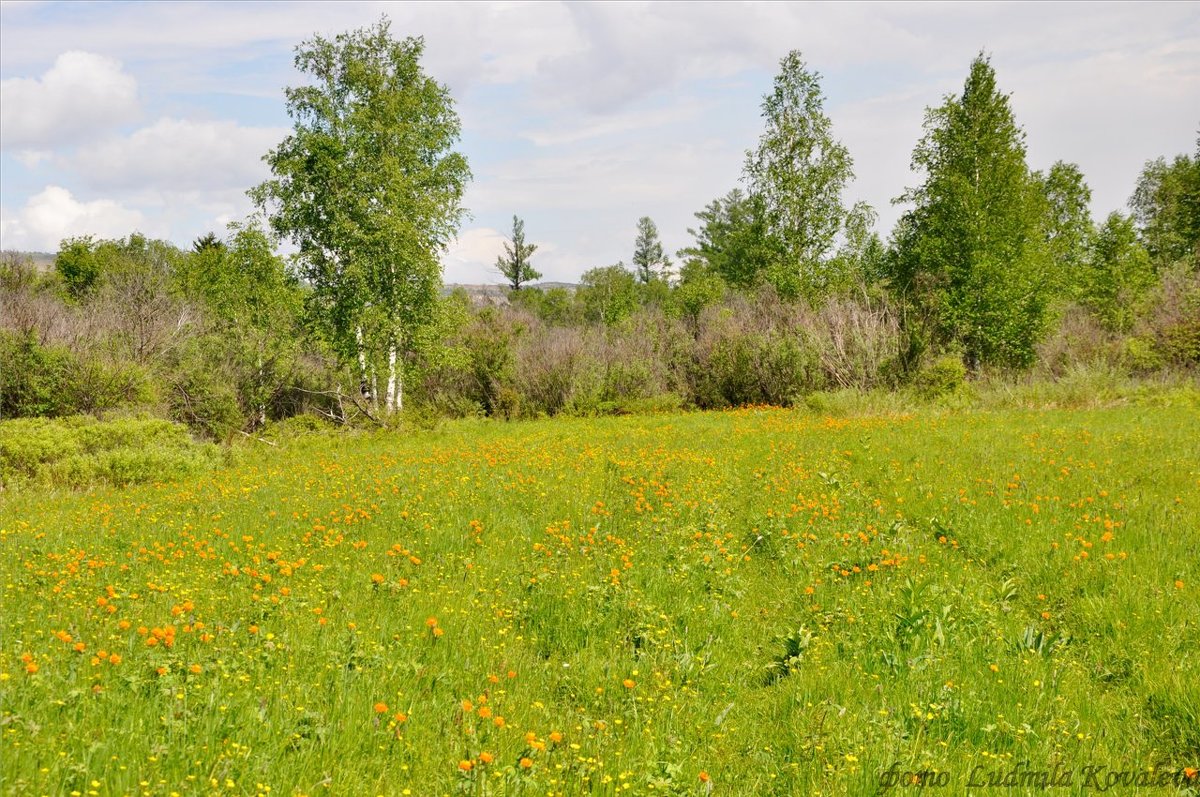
79 95
472 256
54 214
176 155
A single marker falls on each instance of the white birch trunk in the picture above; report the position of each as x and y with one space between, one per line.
400 387
392 383
365 378
262 408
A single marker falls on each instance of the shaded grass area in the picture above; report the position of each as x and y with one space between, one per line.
785 601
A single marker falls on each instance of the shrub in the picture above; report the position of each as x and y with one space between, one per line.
857 341
1078 341
1172 316
753 354
944 377
34 379
556 370
53 381
79 451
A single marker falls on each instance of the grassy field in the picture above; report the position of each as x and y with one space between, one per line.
752 602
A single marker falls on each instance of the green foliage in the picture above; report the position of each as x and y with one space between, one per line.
514 263
731 242
1142 355
1172 316
202 390
751 361
552 305
369 189
1068 224
970 258
798 173
699 287
608 294
34 378
1166 204
941 378
53 381
861 258
1116 274
80 451
649 261
78 263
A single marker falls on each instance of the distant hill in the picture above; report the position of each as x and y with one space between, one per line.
480 294
498 294
43 260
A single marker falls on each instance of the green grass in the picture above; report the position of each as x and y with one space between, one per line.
787 602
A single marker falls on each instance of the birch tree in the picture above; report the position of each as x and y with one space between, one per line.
369 189
796 177
971 257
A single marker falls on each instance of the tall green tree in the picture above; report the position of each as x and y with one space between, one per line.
970 257
1068 223
514 263
730 241
649 261
796 177
78 263
369 189
1117 272
609 294
1166 205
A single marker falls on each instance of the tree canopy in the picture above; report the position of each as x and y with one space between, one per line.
971 256
369 188
796 177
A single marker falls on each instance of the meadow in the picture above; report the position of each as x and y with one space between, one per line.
749 602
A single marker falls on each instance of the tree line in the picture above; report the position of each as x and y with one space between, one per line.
786 288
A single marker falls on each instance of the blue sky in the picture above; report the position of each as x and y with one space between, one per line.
578 117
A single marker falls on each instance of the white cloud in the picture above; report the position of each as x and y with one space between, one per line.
78 96
472 256
54 214
176 155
